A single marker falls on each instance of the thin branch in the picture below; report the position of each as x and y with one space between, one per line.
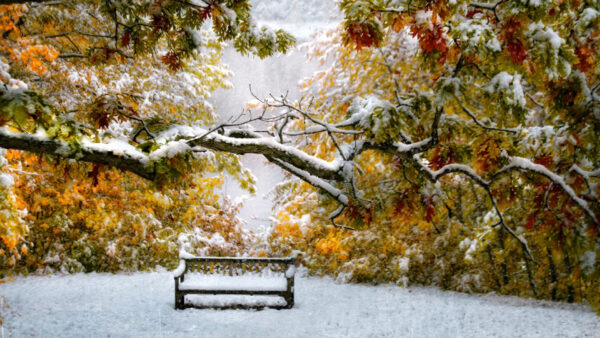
523 164
144 126
318 183
70 56
586 176
533 100
472 116
335 214
391 72
434 176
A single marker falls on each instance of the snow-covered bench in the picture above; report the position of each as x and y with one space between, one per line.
261 282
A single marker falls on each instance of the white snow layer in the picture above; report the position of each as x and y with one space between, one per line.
180 268
141 305
6 180
510 85
195 281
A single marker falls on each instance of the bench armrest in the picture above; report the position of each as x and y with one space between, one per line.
180 269
290 271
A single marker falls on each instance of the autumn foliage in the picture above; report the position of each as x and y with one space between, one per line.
60 215
512 81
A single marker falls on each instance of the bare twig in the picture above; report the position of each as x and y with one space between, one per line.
472 116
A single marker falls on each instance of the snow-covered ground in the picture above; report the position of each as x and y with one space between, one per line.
141 305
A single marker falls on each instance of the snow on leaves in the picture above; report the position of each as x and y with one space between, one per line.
550 50
379 118
502 175
507 89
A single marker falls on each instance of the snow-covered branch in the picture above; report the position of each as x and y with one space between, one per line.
523 164
585 173
117 154
586 176
434 177
269 147
332 191
122 155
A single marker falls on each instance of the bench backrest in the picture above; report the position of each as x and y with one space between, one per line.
235 266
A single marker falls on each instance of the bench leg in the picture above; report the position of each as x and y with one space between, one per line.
179 301
289 300
289 294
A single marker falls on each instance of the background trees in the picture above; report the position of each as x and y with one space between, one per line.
476 169
459 138
83 72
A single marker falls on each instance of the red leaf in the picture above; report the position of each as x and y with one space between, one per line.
161 23
430 209
441 158
205 13
513 40
362 34
531 220
126 39
352 211
586 57
173 60
103 121
546 161
471 13
430 39
397 162
368 215
437 161
399 207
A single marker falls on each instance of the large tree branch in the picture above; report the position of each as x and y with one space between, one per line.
124 157
269 147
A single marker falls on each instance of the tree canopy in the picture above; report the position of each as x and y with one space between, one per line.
444 131
472 162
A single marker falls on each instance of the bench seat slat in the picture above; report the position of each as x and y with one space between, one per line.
233 292
235 301
282 260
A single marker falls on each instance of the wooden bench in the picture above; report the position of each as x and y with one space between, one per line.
251 276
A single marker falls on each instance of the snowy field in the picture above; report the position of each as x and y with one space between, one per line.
141 305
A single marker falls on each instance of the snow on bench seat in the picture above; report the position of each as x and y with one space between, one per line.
232 283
